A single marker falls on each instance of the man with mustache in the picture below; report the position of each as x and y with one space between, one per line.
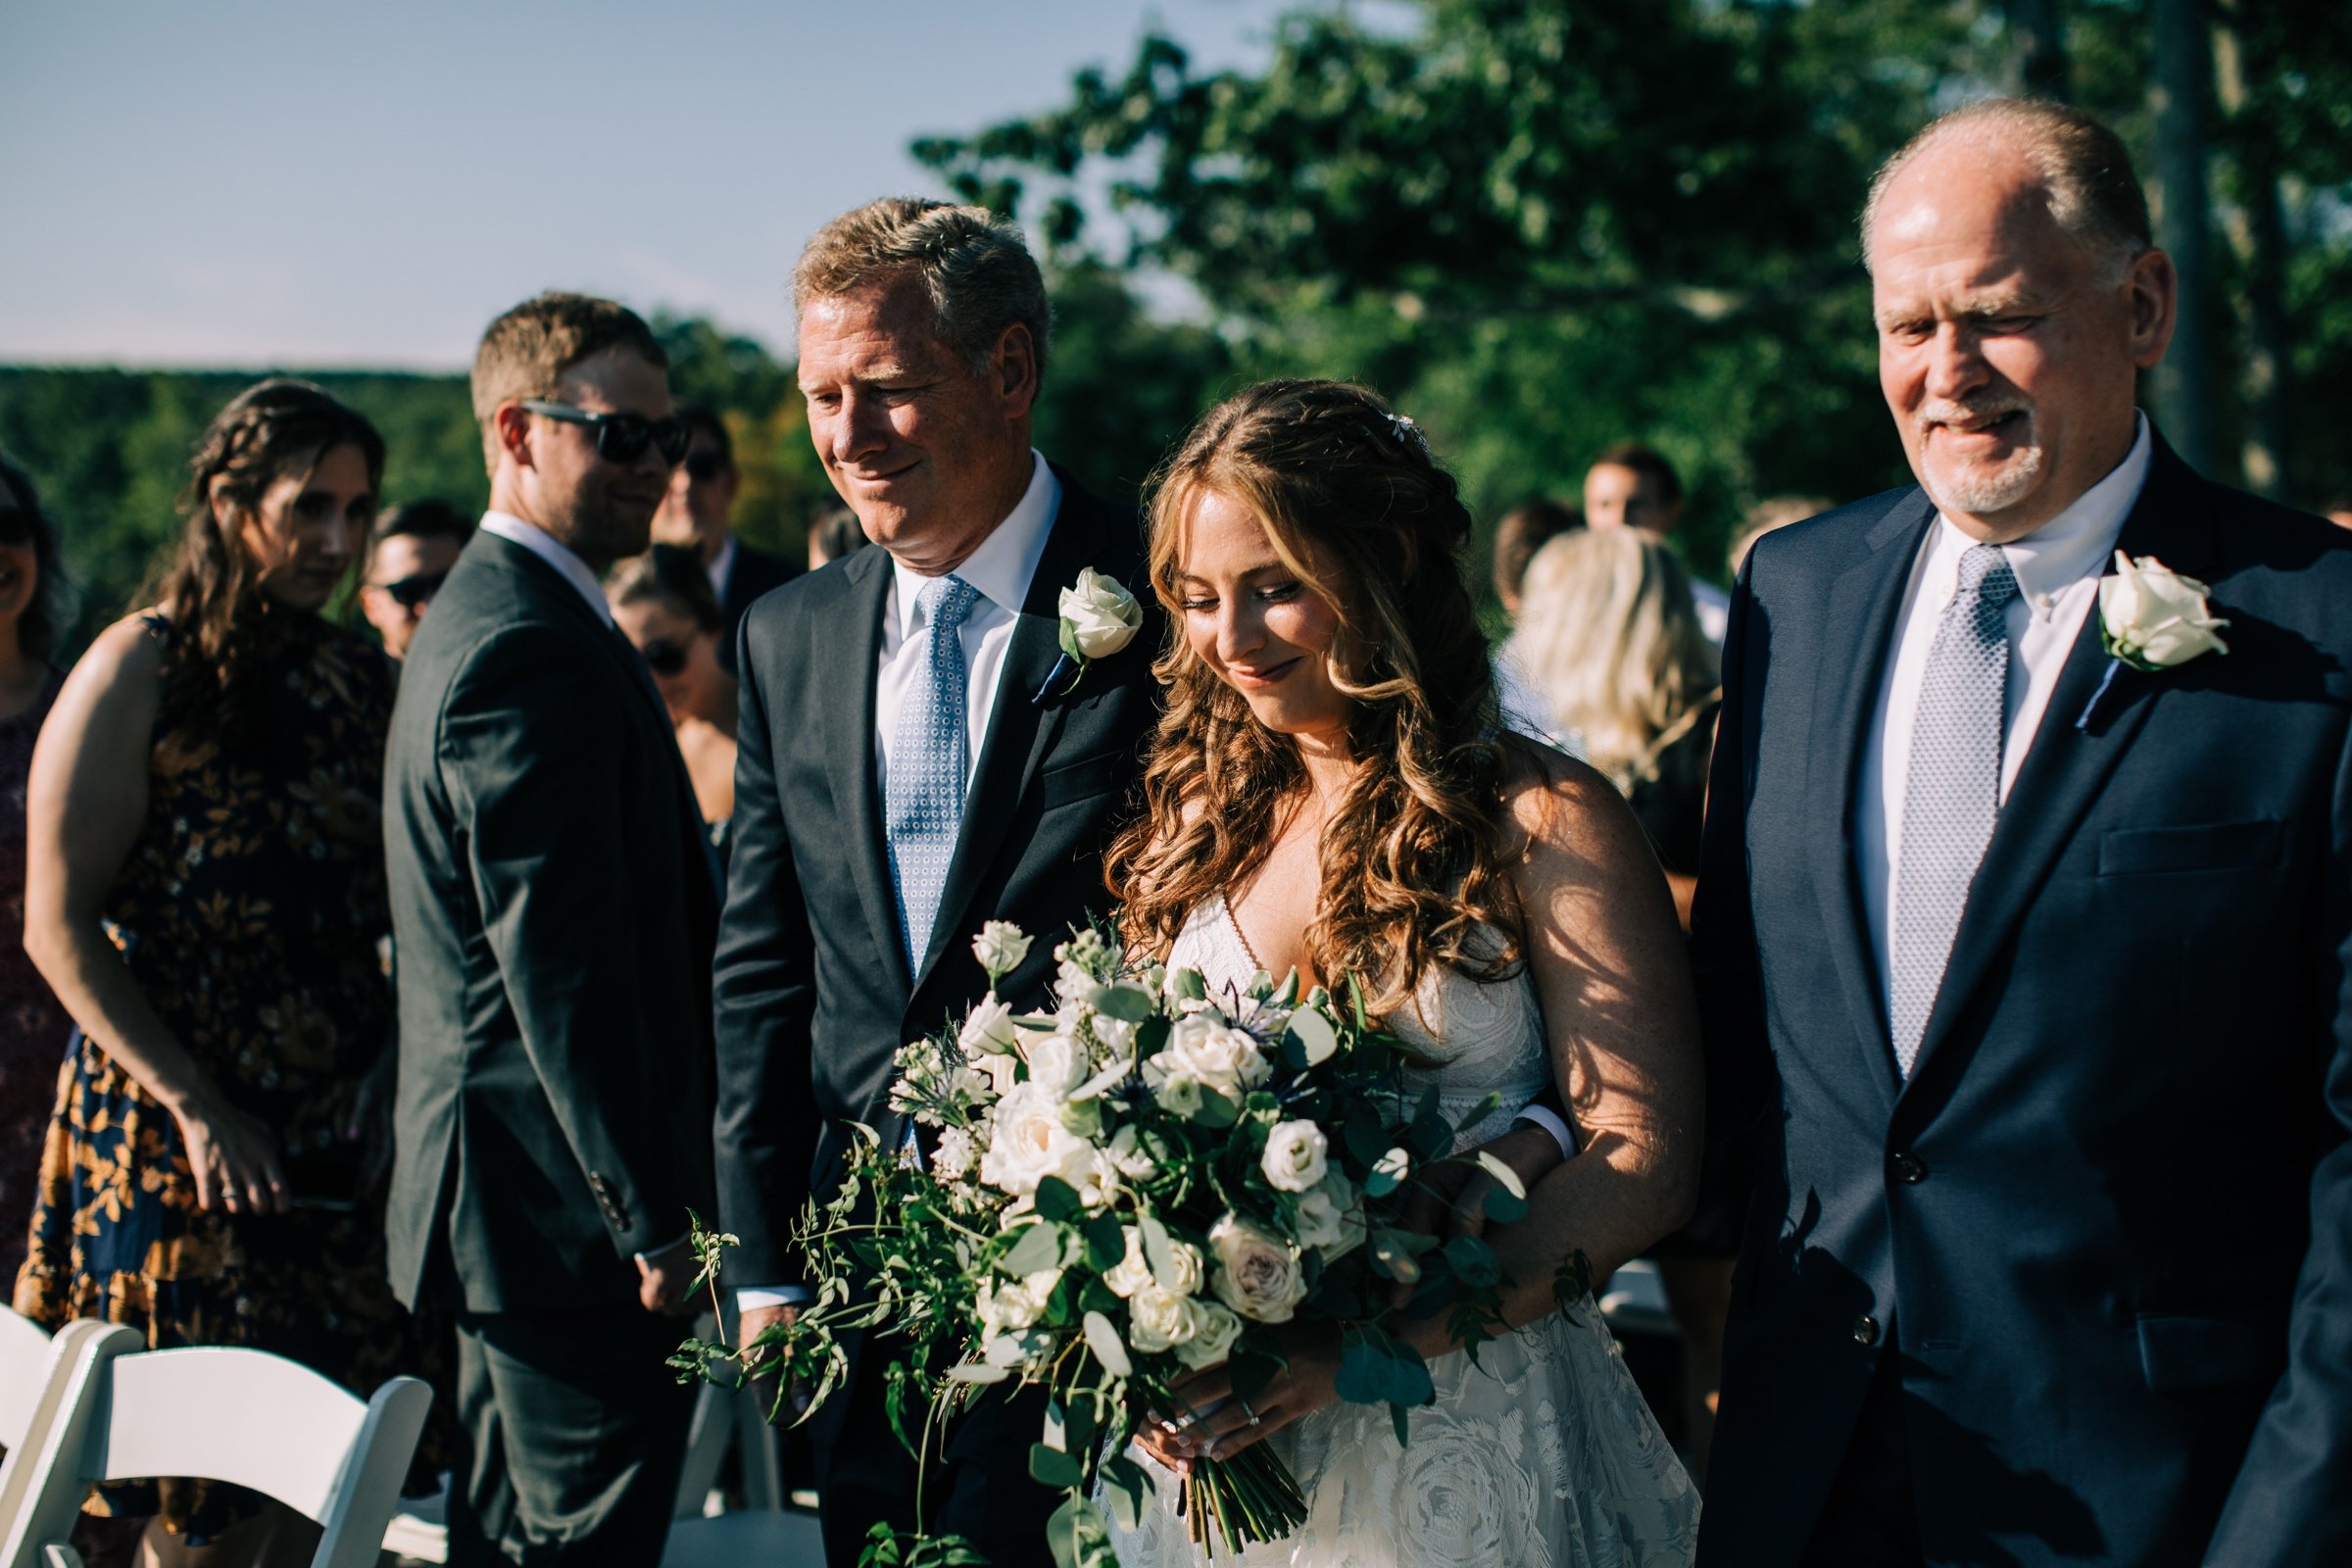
2026 968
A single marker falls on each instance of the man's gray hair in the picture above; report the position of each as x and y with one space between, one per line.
2084 168
972 263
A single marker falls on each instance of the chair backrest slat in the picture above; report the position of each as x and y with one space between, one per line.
259 1421
24 1360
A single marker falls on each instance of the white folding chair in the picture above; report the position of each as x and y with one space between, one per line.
28 1357
1633 1301
762 1533
241 1416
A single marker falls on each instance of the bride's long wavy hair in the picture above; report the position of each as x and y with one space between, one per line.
1414 855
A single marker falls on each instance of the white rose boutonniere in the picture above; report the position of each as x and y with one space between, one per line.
2151 618
1099 617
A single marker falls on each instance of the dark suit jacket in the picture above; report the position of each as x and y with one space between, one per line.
750 575
2107 1223
554 915
813 997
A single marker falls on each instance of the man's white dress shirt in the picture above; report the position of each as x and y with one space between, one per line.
2058 568
720 566
999 572
548 548
1714 607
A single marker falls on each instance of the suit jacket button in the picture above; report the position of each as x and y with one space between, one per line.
1866 1330
1909 1168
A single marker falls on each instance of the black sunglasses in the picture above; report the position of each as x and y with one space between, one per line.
705 466
621 437
663 657
412 593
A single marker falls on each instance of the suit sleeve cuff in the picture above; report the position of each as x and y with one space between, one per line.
1544 1117
751 1298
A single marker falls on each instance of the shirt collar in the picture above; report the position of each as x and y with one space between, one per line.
2078 542
720 565
1000 570
539 542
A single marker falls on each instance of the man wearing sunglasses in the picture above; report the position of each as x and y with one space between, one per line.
410 552
553 912
697 515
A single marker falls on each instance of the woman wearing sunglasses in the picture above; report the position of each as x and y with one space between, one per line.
662 602
32 1026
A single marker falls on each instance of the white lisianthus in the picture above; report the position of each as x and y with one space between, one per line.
1114 1035
1031 1143
1213 1332
1001 947
1221 1057
1007 1307
1135 1158
1179 1096
989 1030
1297 1157
2153 617
1002 1072
1057 1063
1131 1273
1327 1218
1100 614
1158 1319
1257 1274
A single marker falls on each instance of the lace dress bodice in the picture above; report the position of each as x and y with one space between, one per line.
1542 1455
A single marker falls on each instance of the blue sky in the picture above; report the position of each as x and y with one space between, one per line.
262 182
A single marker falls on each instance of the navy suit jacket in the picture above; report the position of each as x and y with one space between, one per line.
2106 1225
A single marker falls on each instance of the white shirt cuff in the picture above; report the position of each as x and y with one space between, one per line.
1561 1133
751 1298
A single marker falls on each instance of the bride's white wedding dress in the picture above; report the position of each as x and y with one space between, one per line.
1545 1456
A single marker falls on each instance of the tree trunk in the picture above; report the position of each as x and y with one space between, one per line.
2257 227
2184 76
2038 61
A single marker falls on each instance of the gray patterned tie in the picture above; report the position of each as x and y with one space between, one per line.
922 799
1952 788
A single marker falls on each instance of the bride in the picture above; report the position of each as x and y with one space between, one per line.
1329 790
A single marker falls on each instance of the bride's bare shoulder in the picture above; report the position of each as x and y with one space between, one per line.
1561 809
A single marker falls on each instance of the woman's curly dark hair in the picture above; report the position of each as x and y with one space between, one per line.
1414 855
41 622
223 626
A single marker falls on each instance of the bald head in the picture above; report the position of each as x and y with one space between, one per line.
2014 314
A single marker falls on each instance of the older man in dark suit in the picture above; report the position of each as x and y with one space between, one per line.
914 761
553 912
2026 934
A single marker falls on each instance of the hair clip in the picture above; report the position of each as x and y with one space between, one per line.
1409 433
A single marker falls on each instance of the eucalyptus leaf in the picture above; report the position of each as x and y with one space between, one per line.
1129 1003
1317 1039
1038 1250
1129 1489
1051 1467
1389 1172
1504 1177
1056 1200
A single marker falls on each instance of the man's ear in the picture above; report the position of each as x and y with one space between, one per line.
2152 291
1012 370
512 424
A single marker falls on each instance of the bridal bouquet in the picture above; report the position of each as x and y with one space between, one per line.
1148 1179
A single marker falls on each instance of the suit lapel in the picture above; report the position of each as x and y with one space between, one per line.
1019 730
846 650
2066 766
1860 624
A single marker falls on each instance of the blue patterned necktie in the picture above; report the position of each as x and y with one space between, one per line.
922 799
1952 788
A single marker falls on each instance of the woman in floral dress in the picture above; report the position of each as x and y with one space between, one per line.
206 894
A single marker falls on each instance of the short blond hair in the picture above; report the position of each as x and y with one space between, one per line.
524 353
973 265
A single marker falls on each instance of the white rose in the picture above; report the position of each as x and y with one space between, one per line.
999 947
1157 1319
2155 618
1257 1274
1031 1143
989 1029
1219 1056
1058 1063
1213 1332
1102 617
1131 1273
1297 1156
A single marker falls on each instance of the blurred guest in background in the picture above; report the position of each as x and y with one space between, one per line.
1525 529
409 553
1769 515
833 533
2340 513
1608 635
697 515
205 893
662 602
1633 486
32 1026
